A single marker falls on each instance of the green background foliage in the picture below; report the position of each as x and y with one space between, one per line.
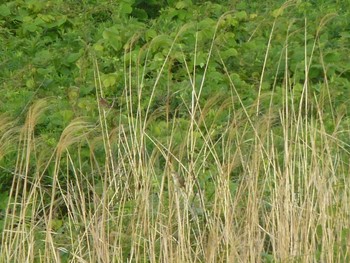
48 49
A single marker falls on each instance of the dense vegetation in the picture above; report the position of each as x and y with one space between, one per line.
105 102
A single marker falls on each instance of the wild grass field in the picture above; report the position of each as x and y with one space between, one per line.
205 154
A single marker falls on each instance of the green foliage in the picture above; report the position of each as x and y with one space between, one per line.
154 58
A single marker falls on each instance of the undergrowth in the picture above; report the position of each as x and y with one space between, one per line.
264 180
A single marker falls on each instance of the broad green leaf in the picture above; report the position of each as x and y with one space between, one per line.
67 115
46 18
141 14
277 12
56 224
4 197
42 57
181 5
125 8
113 40
109 80
30 83
4 11
98 47
229 20
31 27
242 15
86 89
27 19
345 34
87 104
43 71
252 16
201 59
35 6
332 57
231 52
114 36
161 42
61 20
73 57
73 93
150 34
207 22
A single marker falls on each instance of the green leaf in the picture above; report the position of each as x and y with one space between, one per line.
109 80
46 18
86 89
113 38
35 6
30 27
253 16
277 12
42 57
150 34
207 22
4 11
242 15
61 20
87 104
98 47
181 5
161 42
45 71
67 115
141 14
125 8
56 224
4 197
332 57
73 93
73 57
231 52
201 59
30 83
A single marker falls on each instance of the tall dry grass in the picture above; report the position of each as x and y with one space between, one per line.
273 186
